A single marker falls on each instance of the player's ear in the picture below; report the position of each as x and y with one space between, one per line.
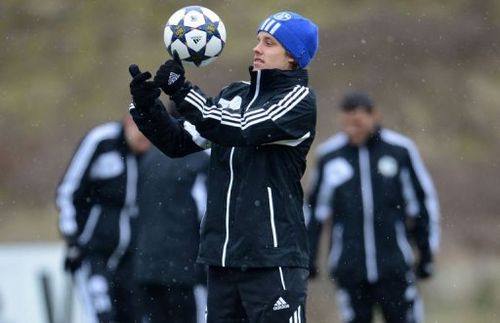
292 63
376 114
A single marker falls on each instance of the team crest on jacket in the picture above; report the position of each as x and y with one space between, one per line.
339 170
387 166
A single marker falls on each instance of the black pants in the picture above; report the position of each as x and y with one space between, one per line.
396 296
107 296
257 295
173 304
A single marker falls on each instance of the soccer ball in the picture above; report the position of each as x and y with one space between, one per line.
196 33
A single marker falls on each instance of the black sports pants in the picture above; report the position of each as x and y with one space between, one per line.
174 304
107 295
396 296
257 295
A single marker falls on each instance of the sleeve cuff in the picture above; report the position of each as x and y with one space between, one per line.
178 97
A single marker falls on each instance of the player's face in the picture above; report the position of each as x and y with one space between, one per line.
269 54
137 142
359 125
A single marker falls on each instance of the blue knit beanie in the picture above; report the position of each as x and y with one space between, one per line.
297 34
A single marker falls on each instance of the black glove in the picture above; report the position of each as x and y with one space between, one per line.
170 75
73 260
144 92
424 268
313 271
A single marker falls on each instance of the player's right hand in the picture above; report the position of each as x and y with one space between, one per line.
73 260
313 271
170 75
424 268
144 92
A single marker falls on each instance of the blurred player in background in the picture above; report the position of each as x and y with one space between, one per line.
372 188
97 199
172 201
253 237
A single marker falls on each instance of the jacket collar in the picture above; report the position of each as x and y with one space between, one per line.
374 138
273 78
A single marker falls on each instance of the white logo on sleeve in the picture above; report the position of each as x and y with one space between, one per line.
234 104
280 304
107 165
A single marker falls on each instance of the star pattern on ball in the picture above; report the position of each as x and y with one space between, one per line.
196 33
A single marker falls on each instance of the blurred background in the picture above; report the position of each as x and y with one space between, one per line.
433 68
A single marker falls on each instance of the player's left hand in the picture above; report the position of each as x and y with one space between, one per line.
313 271
144 92
170 75
73 259
424 268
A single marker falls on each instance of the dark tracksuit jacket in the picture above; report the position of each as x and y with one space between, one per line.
97 195
370 191
172 199
260 133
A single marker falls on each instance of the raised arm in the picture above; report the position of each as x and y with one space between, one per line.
290 119
174 137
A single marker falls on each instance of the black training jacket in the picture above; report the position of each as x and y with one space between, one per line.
172 199
97 195
370 192
260 132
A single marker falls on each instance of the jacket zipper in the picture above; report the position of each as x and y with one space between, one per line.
90 225
403 243
368 225
228 204
337 237
257 90
271 217
231 170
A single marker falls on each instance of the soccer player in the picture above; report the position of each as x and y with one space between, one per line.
371 185
97 203
253 236
172 200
